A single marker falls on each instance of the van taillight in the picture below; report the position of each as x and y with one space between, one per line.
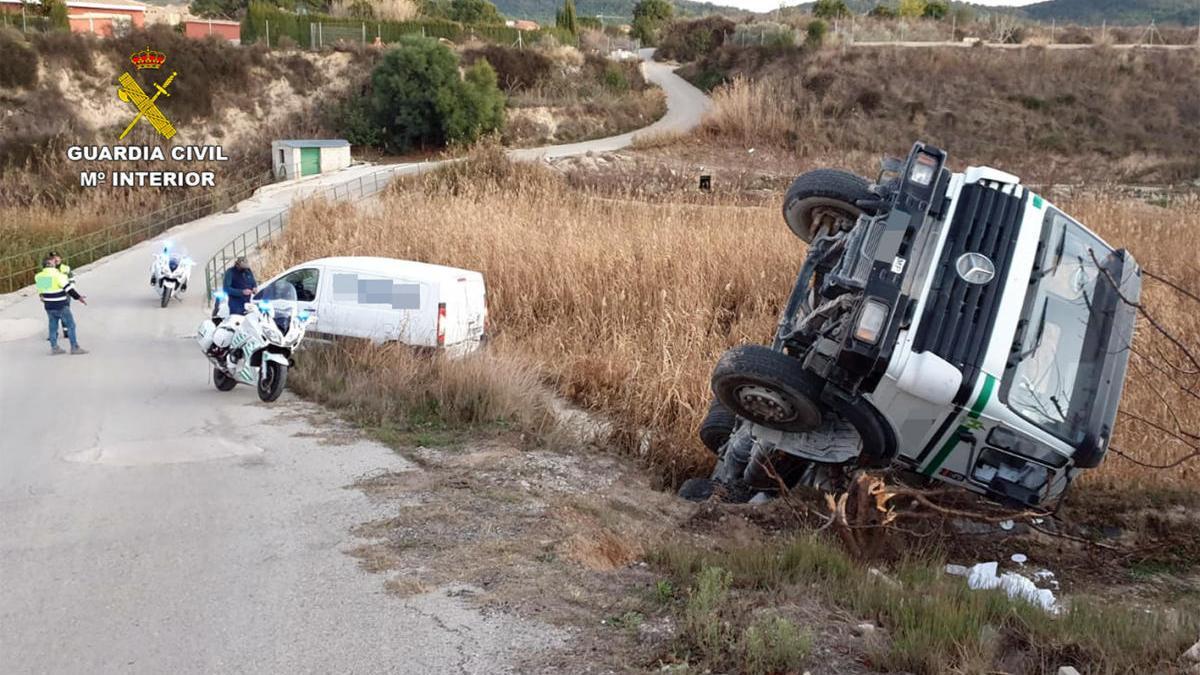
441 325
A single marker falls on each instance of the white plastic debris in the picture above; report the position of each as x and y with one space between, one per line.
957 570
1006 525
1019 558
984 576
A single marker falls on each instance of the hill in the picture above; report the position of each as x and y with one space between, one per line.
1184 12
611 10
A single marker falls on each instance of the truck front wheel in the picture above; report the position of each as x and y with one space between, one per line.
826 199
768 388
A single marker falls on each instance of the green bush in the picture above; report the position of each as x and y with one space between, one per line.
418 98
355 121
16 59
685 41
817 29
516 69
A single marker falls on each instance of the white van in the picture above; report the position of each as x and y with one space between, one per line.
385 300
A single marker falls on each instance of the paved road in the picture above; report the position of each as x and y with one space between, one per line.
151 524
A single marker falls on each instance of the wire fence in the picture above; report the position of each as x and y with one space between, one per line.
17 271
250 241
26 22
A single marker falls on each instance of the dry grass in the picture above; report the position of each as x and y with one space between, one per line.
405 395
1060 116
750 111
626 305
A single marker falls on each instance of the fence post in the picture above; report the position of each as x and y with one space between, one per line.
364 32
268 22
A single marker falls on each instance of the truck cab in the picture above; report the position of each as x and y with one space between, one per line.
955 325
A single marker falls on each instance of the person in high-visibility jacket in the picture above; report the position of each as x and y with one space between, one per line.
57 261
56 290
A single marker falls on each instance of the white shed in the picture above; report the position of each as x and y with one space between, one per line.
296 158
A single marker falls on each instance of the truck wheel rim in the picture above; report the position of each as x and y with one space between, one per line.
765 404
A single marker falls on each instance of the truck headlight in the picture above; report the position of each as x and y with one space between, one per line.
922 170
870 321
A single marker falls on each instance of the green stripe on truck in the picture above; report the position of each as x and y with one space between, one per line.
989 383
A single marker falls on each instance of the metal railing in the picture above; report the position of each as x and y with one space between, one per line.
17 271
248 242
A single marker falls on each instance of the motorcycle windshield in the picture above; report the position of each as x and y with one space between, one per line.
281 297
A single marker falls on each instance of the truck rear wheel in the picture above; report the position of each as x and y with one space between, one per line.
717 426
825 199
768 388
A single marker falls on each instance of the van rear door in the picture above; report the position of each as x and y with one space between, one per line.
476 306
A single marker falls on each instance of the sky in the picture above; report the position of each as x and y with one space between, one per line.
767 5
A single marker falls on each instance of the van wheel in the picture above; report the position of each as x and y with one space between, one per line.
271 386
222 381
825 199
717 426
768 388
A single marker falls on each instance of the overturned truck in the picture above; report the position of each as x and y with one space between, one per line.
954 326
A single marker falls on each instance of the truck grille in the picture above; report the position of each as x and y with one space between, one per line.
959 316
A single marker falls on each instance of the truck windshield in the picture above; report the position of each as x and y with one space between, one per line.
1055 375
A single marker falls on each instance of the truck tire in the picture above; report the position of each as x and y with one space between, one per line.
826 198
768 388
222 381
717 426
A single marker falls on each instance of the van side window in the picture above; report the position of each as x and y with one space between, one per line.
305 282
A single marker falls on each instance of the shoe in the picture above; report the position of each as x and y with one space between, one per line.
57 350
78 350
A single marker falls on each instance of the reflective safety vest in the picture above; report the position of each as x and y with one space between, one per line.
54 287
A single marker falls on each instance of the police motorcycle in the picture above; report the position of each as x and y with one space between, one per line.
254 349
169 273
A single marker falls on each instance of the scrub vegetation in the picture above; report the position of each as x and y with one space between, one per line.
626 319
1091 115
733 616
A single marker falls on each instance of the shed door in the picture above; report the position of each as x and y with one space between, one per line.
310 161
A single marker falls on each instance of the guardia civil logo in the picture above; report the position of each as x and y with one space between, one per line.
131 92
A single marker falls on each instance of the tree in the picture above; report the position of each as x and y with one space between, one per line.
362 9
565 17
56 11
648 17
474 11
912 9
936 9
830 9
883 12
418 98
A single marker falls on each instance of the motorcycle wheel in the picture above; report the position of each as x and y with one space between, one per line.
222 381
270 387
166 295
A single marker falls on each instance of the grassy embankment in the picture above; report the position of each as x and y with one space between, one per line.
1089 116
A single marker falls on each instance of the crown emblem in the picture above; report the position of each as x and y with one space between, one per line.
148 58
